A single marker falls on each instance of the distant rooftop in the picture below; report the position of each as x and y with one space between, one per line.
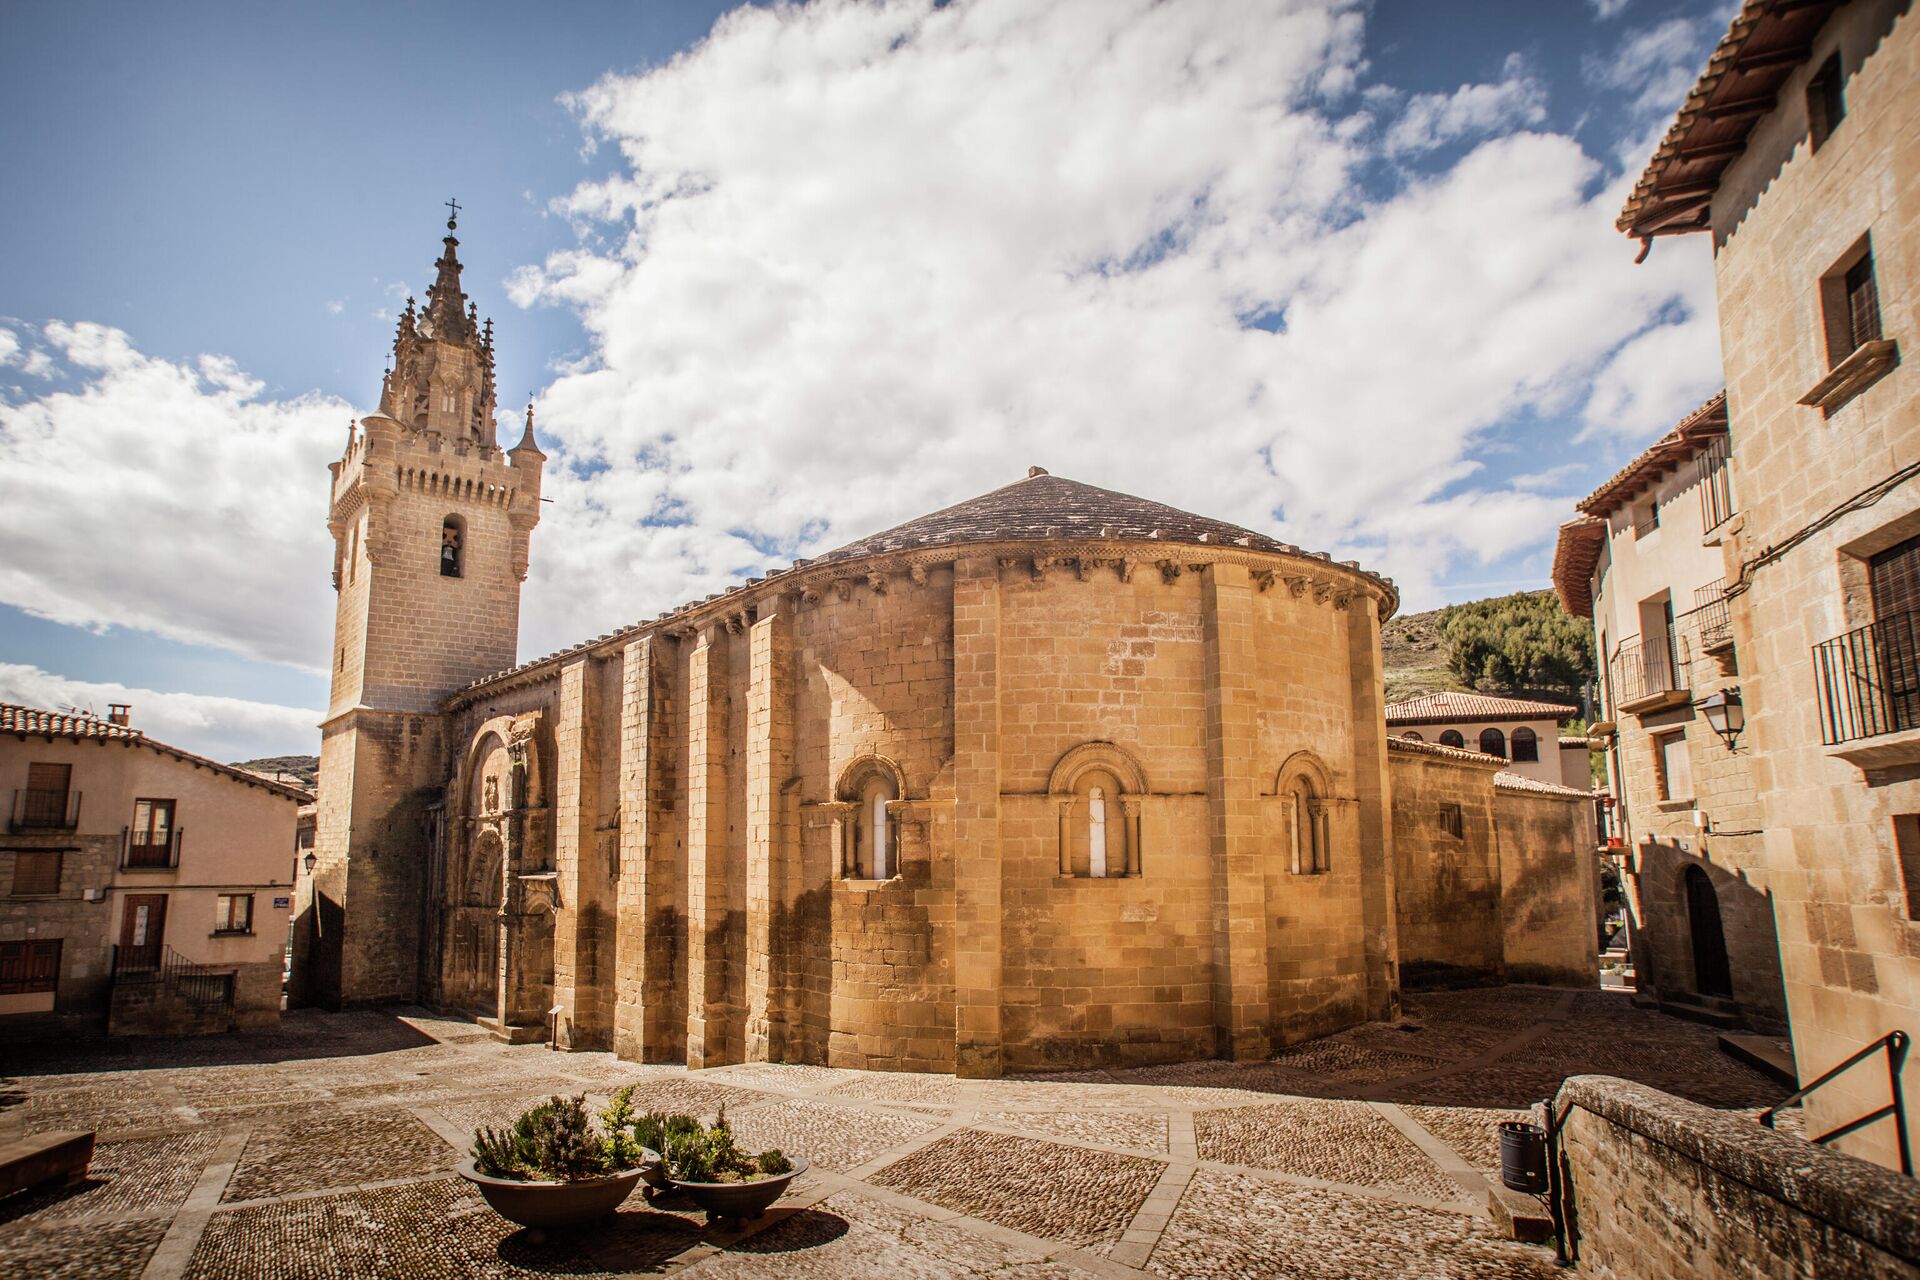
33 722
1456 708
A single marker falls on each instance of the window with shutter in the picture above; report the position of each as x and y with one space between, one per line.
30 965
1863 304
36 872
45 803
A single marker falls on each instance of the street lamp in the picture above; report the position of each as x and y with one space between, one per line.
309 860
1724 713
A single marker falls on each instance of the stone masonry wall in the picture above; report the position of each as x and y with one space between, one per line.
1448 886
1663 1189
1549 878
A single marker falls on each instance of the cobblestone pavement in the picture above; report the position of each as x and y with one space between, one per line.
326 1149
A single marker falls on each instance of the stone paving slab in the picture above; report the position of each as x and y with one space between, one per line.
1329 1140
1232 1225
1042 1188
1142 1130
1470 1131
834 1137
124 1179
311 1155
57 1251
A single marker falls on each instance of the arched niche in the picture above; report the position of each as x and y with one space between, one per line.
1097 788
867 828
1305 788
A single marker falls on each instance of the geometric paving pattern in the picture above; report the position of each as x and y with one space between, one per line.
324 1148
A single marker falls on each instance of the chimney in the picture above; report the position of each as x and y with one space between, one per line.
120 712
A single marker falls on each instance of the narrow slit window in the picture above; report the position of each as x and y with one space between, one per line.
453 549
1826 101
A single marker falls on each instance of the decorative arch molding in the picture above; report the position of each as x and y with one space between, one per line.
1088 756
854 776
1304 787
1099 833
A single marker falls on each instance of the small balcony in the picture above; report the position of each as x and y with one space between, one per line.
1711 623
1716 488
1869 680
37 809
150 850
1646 675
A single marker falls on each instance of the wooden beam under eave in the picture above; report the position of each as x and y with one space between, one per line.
1775 58
1758 105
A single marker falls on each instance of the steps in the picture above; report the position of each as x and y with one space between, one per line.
509 1033
1712 1011
1764 1054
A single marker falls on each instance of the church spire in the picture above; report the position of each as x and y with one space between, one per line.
448 317
443 358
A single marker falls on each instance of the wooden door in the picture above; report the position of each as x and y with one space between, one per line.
142 930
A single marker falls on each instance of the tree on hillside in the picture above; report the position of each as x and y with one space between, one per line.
1522 641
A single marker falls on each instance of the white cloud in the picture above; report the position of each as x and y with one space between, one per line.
872 259
9 346
1657 65
1430 120
224 729
1605 9
171 498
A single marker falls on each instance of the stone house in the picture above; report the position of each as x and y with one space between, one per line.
1053 777
141 882
1643 561
1795 152
1525 732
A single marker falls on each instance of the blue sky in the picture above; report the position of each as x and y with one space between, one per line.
716 264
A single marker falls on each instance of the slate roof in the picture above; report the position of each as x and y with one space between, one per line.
25 722
1050 506
1511 781
1459 755
1451 707
1040 507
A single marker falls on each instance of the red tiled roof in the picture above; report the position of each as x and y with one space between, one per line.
1459 755
1511 781
1575 743
1766 42
1575 556
1451 707
25 722
1679 446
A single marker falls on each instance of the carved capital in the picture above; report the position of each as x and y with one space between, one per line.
1263 579
1169 571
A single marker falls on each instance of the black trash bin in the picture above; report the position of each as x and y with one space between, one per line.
1523 1156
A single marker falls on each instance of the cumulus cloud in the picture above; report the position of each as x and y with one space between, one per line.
1605 9
1656 65
866 260
219 728
169 497
1431 120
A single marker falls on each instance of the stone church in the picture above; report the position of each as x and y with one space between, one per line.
1054 777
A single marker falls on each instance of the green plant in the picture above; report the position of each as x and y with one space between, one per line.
692 1151
552 1142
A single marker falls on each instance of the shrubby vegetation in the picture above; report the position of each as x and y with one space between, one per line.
556 1141
1524 641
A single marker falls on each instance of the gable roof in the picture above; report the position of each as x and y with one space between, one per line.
1688 439
1451 707
1766 42
33 722
1456 755
1576 554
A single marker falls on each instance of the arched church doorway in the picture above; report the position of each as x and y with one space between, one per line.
476 984
1712 975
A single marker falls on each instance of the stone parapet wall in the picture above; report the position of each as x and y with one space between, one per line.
1659 1188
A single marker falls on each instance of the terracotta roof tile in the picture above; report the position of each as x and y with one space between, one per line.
1682 444
1460 755
34 722
1511 781
1450 707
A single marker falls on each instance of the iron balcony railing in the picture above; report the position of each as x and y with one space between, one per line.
44 809
205 985
1869 680
140 851
1711 622
1644 666
1716 488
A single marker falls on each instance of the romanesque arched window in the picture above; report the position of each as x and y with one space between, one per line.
1413 734
1526 744
1452 738
453 546
1306 814
869 828
1493 743
1097 789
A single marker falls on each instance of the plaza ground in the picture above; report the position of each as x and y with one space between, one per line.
326 1148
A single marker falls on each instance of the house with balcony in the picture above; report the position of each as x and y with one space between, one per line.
1643 561
1794 154
140 885
1525 732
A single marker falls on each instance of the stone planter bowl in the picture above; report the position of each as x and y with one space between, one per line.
543 1205
741 1199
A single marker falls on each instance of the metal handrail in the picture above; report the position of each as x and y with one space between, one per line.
1895 1043
1869 679
137 855
1716 493
206 985
1646 665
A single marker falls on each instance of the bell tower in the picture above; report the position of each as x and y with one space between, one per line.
431 521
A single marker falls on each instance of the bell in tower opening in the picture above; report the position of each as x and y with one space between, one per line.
450 547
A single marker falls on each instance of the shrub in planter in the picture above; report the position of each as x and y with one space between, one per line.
708 1164
551 1167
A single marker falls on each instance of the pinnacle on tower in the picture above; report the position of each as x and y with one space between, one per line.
442 372
527 444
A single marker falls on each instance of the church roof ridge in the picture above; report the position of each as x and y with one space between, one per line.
1038 507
